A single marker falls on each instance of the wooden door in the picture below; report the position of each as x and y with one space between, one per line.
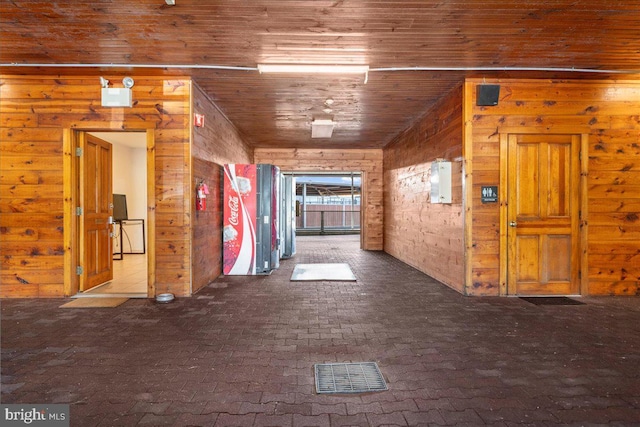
96 251
543 175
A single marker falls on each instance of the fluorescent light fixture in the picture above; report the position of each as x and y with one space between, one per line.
322 128
170 2
313 69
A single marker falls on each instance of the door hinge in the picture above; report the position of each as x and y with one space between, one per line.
79 211
79 270
78 151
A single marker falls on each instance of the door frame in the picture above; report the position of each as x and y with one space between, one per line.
71 194
583 133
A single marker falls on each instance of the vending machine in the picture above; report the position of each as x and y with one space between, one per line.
250 219
287 216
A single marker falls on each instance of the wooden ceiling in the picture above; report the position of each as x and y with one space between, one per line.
277 110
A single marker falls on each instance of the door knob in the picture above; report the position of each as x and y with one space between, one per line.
513 224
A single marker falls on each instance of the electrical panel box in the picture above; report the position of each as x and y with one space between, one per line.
441 182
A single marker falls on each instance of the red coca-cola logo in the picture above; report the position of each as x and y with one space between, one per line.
234 206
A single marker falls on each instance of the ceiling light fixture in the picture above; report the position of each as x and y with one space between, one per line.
170 2
314 69
321 128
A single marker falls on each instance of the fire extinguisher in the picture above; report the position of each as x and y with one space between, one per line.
201 196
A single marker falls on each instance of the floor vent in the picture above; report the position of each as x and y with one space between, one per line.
348 378
551 301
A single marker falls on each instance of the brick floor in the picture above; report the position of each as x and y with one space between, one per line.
241 352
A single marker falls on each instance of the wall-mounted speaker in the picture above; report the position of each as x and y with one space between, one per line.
487 95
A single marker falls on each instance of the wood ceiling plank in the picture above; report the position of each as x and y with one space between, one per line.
274 111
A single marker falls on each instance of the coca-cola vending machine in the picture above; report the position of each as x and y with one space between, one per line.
250 219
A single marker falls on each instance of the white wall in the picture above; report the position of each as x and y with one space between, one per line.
130 178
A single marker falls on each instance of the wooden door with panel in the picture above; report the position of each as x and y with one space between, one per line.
96 256
543 214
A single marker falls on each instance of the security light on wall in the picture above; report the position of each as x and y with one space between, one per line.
322 128
128 82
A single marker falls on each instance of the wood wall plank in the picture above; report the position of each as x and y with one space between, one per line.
34 114
609 110
426 236
215 144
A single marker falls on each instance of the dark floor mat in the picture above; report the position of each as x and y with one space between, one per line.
551 301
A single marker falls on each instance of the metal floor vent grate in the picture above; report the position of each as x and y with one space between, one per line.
348 378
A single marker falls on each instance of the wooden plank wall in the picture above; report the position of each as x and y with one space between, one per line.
215 144
367 161
609 109
426 236
34 112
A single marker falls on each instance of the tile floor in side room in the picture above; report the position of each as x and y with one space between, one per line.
129 277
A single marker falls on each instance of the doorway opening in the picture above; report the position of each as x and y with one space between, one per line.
129 181
121 205
328 203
